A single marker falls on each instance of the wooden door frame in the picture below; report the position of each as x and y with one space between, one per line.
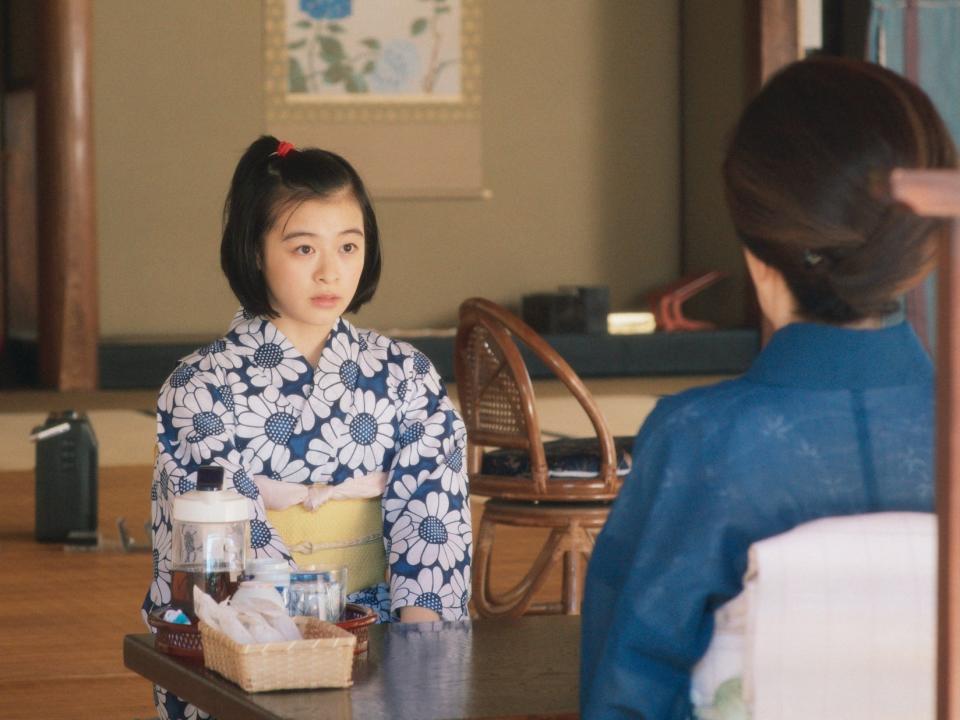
772 39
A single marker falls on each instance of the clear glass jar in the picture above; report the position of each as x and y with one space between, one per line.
211 533
319 593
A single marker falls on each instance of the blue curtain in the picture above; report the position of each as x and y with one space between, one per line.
938 42
938 46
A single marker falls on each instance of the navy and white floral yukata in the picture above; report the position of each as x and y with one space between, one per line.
251 403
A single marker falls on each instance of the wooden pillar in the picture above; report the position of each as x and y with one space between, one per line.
773 41
68 322
773 34
916 300
948 484
937 193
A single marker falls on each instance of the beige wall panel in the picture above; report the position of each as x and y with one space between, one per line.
580 150
177 98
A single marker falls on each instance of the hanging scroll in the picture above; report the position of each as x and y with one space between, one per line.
393 85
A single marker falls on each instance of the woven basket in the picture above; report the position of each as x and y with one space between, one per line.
358 619
323 659
175 639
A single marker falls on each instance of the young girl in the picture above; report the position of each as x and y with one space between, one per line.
340 437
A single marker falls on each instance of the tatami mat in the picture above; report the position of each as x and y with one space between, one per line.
124 437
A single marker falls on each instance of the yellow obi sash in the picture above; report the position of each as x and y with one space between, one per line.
339 532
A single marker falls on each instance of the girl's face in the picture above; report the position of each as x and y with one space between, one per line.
312 260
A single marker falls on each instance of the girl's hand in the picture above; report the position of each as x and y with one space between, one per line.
418 615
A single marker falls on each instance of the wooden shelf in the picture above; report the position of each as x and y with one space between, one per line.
142 363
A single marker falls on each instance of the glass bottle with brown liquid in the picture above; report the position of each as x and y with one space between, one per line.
211 530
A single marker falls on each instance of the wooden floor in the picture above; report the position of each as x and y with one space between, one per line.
63 613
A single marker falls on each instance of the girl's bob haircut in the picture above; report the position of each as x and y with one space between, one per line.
270 177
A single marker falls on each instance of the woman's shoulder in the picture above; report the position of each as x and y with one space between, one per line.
709 418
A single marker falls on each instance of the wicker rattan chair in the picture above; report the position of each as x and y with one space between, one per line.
529 482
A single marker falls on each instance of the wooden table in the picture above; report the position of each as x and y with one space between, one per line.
483 669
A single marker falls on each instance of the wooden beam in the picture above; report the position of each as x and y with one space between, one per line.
68 322
773 36
937 193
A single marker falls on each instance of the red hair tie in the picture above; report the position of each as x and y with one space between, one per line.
284 147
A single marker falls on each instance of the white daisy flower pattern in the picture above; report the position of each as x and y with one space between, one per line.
170 707
202 425
246 324
168 479
160 587
400 493
251 403
373 352
424 372
184 380
377 598
268 425
231 390
421 436
365 434
295 471
399 387
460 582
451 463
315 409
215 355
428 590
338 371
322 456
429 533
274 359
239 471
265 542
160 700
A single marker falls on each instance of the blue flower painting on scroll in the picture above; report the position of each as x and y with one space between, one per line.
374 50
326 9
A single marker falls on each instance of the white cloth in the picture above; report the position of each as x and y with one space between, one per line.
279 495
247 620
837 620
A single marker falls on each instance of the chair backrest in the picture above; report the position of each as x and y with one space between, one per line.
497 398
837 619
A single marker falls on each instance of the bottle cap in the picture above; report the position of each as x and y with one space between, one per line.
208 503
209 478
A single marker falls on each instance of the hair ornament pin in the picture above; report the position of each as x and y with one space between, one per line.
284 148
811 259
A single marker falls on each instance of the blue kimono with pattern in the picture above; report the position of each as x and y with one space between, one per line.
827 421
251 403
